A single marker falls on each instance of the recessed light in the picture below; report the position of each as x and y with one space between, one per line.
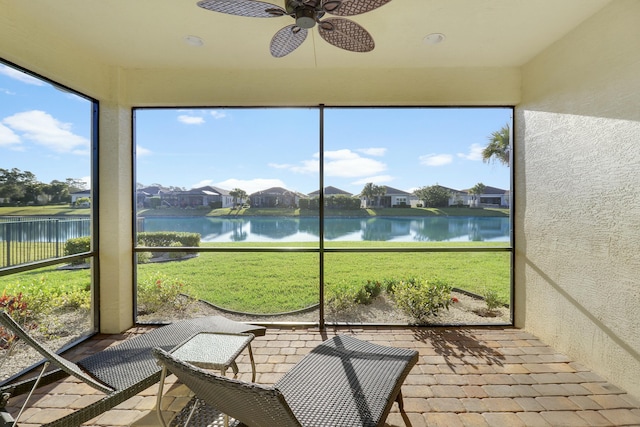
434 38
193 41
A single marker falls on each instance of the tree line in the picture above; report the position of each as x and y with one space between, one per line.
23 188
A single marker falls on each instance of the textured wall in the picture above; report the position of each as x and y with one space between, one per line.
578 195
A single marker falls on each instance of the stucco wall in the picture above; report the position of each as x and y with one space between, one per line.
577 165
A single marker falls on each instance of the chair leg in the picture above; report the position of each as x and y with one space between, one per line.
35 385
400 401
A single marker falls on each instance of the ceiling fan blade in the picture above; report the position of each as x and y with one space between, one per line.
287 40
251 8
346 34
351 7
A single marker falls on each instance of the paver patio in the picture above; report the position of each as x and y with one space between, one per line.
464 377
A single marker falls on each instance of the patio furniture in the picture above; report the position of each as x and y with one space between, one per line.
342 382
210 350
121 371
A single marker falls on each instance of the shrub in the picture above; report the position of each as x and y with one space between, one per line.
491 299
390 284
373 289
346 295
166 238
16 307
158 292
177 255
421 299
42 298
341 297
144 257
77 246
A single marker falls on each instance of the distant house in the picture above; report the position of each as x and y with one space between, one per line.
392 197
144 195
275 197
80 195
204 196
330 191
490 197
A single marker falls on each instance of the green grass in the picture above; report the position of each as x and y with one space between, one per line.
278 282
49 288
24 252
274 282
49 210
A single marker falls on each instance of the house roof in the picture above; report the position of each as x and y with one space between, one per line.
213 189
490 190
330 191
273 191
395 192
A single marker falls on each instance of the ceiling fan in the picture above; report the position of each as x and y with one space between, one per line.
340 32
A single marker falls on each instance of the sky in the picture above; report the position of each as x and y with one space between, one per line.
43 130
46 131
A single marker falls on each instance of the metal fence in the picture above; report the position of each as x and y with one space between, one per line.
24 240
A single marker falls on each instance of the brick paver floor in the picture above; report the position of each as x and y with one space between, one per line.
464 377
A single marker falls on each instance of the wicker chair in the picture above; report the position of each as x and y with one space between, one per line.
121 371
341 382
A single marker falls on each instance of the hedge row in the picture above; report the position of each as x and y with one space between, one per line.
154 239
166 238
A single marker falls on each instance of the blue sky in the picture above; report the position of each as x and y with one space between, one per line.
46 131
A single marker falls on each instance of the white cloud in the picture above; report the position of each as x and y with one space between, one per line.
20 76
190 120
475 152
377 152
141 151
249 185
45 130
347 164
8 138
379 179
280 165
436 159
340 163
218 114
305 167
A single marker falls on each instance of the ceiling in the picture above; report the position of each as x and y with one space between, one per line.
150 34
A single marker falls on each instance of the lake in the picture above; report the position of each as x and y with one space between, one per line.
306 229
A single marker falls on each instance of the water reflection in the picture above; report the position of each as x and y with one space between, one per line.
286 229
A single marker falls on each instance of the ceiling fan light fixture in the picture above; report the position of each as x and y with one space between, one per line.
305 17
434 38
193 41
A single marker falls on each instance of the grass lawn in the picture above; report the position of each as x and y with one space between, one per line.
49 210
267 282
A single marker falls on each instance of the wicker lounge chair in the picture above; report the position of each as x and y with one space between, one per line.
342 382
121 371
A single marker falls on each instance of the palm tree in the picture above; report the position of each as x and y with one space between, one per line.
238 194
368 192
380 190
476 191
498 147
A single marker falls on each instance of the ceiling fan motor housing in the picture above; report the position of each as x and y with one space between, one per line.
306 13
305 17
